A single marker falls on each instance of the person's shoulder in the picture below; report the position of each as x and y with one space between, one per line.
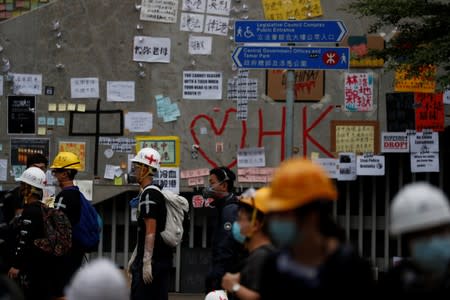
153 193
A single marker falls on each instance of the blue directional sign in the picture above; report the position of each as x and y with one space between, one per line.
321 31
309 58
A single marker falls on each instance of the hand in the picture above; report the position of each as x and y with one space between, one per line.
13 273
147 271
229 279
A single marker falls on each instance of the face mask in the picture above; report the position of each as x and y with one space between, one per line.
284 233
236 231
210 192
433 254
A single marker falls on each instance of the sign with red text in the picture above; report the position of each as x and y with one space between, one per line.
358 92
429 111
396 142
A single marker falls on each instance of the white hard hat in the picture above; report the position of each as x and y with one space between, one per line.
418 206
33 176
217 295
149 157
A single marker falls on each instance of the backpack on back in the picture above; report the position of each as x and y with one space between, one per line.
177 206
88 230
57 230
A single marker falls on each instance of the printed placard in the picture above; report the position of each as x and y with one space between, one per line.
424 141
424 162
251 157
430 112
394 142
202 85
169 178
151 49
370 165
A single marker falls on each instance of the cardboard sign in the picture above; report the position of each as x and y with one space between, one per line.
308 85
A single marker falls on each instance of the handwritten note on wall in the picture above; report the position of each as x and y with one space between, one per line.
164 11
358 92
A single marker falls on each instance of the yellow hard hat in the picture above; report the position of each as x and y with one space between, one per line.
297 182
66 160
259 199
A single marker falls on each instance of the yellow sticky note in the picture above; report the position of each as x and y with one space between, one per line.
81 107
314 155
42 130
71 107
118 180
62 107
52 107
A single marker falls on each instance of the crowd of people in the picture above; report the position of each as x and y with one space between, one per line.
274 242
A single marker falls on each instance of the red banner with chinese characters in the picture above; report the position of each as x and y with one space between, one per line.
429 111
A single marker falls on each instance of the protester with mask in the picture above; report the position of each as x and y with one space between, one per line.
31 264
251 230
151 261
312 258
420 214
226 252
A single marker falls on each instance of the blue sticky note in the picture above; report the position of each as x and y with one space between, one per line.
42 121
51 121
60 121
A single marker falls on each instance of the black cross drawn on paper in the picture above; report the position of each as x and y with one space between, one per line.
97 132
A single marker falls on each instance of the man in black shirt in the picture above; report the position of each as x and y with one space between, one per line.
151 261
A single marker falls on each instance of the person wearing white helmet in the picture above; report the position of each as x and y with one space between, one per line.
31 264
420 214
217 295
150 264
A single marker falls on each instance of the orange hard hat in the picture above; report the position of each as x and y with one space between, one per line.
297 182
258 200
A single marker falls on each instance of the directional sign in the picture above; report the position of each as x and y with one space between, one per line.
309 58
251 31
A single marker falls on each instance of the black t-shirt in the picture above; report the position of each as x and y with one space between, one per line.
68 200
152 205
344 272
252 270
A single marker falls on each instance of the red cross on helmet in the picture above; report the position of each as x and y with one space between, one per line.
149 157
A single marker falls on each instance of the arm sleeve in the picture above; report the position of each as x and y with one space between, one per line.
26 235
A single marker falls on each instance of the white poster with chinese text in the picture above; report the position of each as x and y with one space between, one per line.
164 11
200 45
151 49
216 25
84 87
27 84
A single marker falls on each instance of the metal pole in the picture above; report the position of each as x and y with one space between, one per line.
290 80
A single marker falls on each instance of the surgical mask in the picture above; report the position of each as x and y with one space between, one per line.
236 231
284 233
432 254
210 192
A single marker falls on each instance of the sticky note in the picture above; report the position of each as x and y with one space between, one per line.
52 107
62 107
81 107
41 131
71 107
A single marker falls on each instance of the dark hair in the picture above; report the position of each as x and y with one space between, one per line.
224 174
36 158
327 225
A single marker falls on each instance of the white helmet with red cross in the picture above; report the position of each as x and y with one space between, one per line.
217 295
149 157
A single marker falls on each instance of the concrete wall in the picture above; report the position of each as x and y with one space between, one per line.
97 40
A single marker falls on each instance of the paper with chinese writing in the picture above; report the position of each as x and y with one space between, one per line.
430 112
151 49
164 11
192 22
219 7
251 157
358 92
216 25
200 45
27 84
197 6
168 178
87 87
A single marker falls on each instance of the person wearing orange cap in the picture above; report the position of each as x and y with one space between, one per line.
251 230
313 255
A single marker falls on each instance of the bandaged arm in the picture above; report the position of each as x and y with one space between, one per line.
149 244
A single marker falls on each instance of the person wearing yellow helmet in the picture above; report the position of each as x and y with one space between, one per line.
250 229
65 167
313 255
